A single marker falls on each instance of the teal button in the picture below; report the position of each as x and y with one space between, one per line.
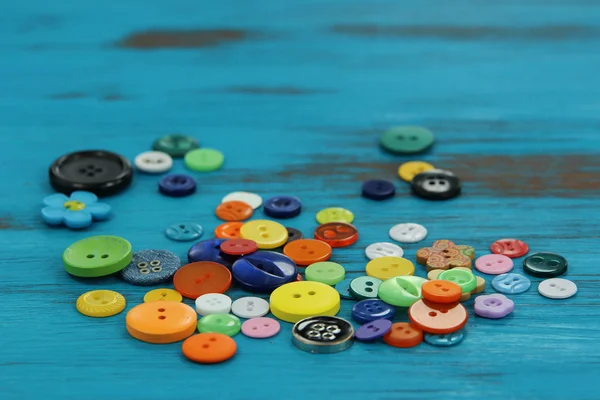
406 139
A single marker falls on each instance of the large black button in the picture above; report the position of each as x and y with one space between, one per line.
97 171
545 265
436 184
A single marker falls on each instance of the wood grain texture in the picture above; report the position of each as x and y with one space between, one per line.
295 93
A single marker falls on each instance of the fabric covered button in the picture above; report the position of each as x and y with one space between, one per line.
436 184
209 348
184 231
557 288
293 234
325 272
250 307
440 291
403 335
401 291
267 234
373 330
406 139
253 199
151 267
378 189
264 271
175 145
335 214
234 211
213 303
100 303
97 256
370 310
283 207
307 251
297 300
388 267
408 170
494 264
343 288
204 160
437 318
226 324
178 185
228 230
337 234
493 306
161 321
162 294
209 250
512 248
100 172
153 162
511 283
444 254
447 340
238 247
408 233
76 211
260 328
383 249
364 287
462 277
198 278
545 265
323 334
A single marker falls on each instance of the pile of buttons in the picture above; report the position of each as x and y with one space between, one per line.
264 257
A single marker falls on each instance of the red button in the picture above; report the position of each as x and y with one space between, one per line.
238 247
512 248
202 277
337 234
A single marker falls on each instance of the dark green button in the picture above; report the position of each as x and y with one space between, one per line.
175 145
545 265
406 139
364 287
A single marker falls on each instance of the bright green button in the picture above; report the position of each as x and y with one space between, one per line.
406 139
364 287
325 272
175 145
204 160
335 214
462 277
226 324
97 256
401 291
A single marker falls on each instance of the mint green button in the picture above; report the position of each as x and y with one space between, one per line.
226 324
97 256
406 139
325 272
462 277
204 160
364 287
175 145
401 291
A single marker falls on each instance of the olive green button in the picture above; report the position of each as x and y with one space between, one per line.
335 214
406 139
364 287
175 145
401 291
226 324
463 277
97 256
325 272
204 160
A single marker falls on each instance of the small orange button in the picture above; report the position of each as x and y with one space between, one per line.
161 321
403 335
234 211
202 277
228 230
307 251
437 318
441 291
209 348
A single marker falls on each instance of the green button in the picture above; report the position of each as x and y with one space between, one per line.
364 287
97 256
175 145
326 272
462 277
401 291
204 160
226 324
406 139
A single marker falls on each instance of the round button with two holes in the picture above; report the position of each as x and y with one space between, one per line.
260 328
234 211
403 335
162 294
198 278
436 317
337 234
209 348
153 162
229 230
175 145
100 303
283 207
436 184
177 185
297 300
267 234
323 334
545 265
97 256
184 231
307 251
326 272
406 139
239 247
378 189
161 321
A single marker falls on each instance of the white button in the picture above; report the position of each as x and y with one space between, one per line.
250 307
557 288
383 249
408 233
153 162
213 303
253 199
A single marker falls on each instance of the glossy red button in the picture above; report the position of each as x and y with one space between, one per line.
337 234
228 230
202 277
234 211
238 247
512 248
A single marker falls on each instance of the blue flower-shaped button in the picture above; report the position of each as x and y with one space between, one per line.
282 207
511 283
264 271
370 310
184 231
177 185
449 339
210 250
76 211
151 267
378 189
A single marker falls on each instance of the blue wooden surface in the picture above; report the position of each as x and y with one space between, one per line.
295 93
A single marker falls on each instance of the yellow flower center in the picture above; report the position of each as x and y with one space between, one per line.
74 205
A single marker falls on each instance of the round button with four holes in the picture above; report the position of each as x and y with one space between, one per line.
323 334
97 256
151 267
371 309
213 303
250 307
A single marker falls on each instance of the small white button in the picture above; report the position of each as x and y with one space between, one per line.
383 249
408 233
250 307
153 162
252 199
213 303
557 288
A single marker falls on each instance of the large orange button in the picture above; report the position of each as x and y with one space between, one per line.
209 348
161 321
202 277
441 291
404 335
437 318
307 251
234 211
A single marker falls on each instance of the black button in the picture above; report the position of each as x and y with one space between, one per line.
545 265
436 184
97 171
293 234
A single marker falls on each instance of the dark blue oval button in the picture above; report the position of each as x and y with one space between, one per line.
264 271
177 185
378 189
370 310
282 207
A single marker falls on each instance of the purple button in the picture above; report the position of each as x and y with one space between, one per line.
493 306
373 330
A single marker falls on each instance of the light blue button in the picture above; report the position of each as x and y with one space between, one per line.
343 288
446 340
511 283
184 231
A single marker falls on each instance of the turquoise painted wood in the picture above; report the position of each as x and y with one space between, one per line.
295 93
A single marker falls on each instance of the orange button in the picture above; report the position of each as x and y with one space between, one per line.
161 321
437 318
234 211
403 335
228 230
307 251
202 277
209 348
441 291
337 234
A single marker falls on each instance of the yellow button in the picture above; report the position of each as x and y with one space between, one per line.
298 300
388 267
100 303
408 170
267 234
162 294
335 214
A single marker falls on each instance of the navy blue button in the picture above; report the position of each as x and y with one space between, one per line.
210 250
177 185
378 189
293 234
371 309
282 207
184 231
151 267
264 271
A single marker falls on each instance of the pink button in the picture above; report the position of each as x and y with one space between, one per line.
260 328
494 264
